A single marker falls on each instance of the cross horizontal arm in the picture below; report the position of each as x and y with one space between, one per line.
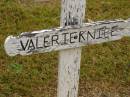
64 38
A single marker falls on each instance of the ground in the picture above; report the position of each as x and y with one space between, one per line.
105 68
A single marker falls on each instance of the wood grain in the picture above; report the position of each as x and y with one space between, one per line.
66 38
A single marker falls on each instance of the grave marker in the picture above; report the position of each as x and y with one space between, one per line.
68 39
65 38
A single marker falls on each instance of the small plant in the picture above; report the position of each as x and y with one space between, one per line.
17 68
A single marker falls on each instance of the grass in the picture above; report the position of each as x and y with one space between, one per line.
105 68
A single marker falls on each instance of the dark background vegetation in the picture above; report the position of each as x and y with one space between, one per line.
105 68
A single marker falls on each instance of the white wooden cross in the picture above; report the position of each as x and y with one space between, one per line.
68 39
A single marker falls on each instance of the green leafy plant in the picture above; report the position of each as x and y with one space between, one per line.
17 68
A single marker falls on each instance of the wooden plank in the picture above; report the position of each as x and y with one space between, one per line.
65 38
73 13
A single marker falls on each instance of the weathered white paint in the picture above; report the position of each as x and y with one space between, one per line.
34 42
73 13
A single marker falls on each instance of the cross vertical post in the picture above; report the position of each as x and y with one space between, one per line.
72 13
